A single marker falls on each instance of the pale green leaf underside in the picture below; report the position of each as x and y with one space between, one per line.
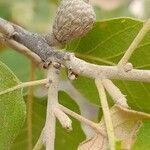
12 108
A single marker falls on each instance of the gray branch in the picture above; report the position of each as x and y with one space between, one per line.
41 50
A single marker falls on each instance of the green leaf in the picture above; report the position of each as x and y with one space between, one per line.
64 139
12 108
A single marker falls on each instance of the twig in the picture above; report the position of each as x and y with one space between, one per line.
106 113
94 71
77 65
81 67
93 125
49 129
135 43
29 107
90 70
25 84
63 119
87 69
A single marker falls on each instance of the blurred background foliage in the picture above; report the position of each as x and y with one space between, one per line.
38 15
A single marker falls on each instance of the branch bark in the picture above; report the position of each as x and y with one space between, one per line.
49 129
38 52
94 71
91 124
63 119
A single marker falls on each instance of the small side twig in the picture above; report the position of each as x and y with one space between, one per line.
91 124
52 102
135 43
106 114
63 119
47 137
25 84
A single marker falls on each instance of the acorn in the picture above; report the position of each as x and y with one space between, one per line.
74 18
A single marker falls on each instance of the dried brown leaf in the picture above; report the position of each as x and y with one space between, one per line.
98 142
126 124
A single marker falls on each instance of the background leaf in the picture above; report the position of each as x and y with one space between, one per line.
12 108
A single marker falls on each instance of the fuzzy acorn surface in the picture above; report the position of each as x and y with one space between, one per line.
74 18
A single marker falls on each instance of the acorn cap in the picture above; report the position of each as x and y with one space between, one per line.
74 18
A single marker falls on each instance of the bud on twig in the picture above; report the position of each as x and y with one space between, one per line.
74 18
